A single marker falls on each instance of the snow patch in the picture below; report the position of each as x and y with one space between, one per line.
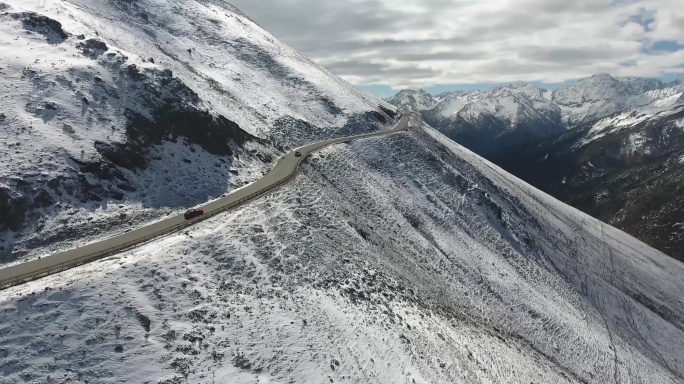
679 123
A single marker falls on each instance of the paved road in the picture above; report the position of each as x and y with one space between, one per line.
284 171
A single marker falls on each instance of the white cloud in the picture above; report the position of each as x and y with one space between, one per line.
421 43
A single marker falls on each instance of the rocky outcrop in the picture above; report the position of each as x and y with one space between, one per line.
126 155
213 133
13 207
92 47
51 29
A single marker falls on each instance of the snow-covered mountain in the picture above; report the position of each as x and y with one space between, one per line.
398 259
487 121
502 116
622 163
602 95
115 113
413 100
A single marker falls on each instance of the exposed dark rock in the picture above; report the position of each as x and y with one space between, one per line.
264 157
116 195
240 361
143 320
100 168
134 73
51 29
126 155
42 199
13 207
388 112
379 116
213 133
68 129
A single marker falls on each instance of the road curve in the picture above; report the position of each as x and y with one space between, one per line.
284 171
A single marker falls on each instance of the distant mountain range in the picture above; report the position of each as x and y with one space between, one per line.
610 146
505 116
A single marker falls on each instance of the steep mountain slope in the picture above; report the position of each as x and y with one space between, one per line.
403 259
627 170
115 113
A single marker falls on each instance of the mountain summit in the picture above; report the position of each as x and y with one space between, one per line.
412 100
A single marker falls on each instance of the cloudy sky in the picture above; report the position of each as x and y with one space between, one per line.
386 45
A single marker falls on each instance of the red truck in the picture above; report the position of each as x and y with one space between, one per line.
192 213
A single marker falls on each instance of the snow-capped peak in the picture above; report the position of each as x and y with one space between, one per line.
413 100
604 87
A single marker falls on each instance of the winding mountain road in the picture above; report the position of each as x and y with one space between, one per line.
283 172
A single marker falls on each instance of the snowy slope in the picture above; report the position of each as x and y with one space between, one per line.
404 259
225 55
115 113
633 120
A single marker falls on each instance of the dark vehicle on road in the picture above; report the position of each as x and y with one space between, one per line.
192 213
298 154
